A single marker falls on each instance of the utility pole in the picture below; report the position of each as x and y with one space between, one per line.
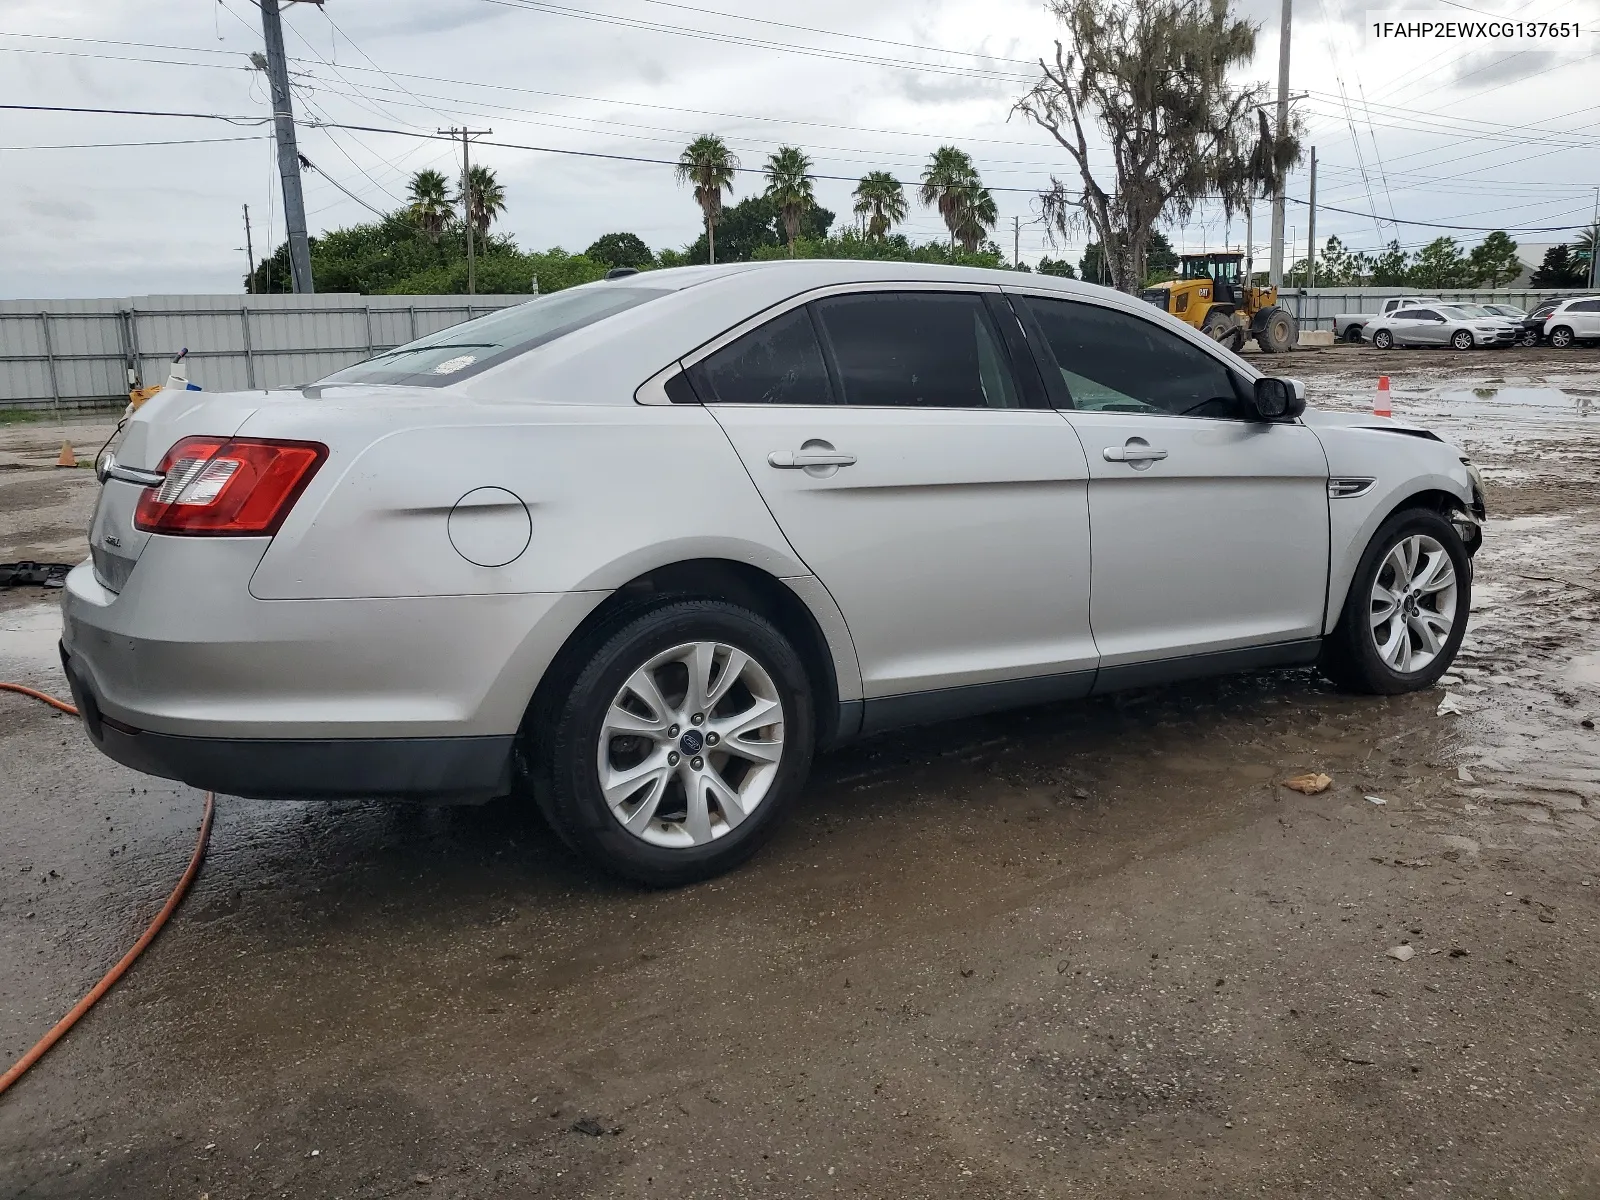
249 255
1276 276
294 205
1016 240
466 196
1250 240
1594 244
1311 230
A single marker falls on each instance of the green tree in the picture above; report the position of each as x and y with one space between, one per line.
621 250
1493 261
1160 259
788 174
1558 270
709 165
881 199
1057 266
752 224
1584 247
1092 266
950 183
1392 268
430 203
978 217
1440 264
485 199
893 248
1151 77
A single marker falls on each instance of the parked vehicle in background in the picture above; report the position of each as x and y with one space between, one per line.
634 550
1573 321
1349 327
1509 311
1439 325
1530 330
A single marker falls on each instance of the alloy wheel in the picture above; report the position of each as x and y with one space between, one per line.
1561 338
1414 603
1383 339
1461 340
691 744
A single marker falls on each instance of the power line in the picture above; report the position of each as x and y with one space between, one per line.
122 145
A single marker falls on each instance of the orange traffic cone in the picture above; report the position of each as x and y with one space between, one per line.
68 458
1380 406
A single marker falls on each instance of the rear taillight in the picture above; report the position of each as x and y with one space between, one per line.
228 487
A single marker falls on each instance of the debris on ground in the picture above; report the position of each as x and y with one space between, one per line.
1450 705
593 1128
1310 783
1401 953
1464 775
1376 800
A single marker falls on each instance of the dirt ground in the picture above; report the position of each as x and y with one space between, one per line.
1092 949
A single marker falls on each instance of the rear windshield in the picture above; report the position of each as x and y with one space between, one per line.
472 346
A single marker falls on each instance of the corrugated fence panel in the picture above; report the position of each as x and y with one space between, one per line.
75 353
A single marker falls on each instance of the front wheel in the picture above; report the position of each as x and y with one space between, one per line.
1461 340
678 745
1406 610
1529 338
1561 337
1383 339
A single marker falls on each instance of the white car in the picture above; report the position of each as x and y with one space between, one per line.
637 549
1440 325
1573 321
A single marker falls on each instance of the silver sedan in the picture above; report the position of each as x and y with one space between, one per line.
1439 325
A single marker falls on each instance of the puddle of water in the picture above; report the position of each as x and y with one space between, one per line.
1586 669
29 635
1524 400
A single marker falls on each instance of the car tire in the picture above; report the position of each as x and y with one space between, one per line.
1383 339
1461 340
1529 339
1276 331
1220 326
595 721
1380 645
1353 334
1561 338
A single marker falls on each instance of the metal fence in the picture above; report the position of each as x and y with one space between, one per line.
64 356
1316 307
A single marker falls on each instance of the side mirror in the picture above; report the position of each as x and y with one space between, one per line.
1279 399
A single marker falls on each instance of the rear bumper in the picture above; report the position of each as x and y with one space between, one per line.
459 770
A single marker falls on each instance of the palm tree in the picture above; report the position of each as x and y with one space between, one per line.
1588 242
882 200
949 183
789 187
709 165
430 202
488 199
978 217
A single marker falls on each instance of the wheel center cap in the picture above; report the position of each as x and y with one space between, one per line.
692 741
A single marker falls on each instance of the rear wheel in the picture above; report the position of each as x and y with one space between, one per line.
1353 334
1461 340
677 746
1561 337
1277 333
1383 339
1406 611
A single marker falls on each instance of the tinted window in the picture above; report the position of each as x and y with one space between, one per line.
1112 361
470 347
778 363
917 349
1418 314
1586 306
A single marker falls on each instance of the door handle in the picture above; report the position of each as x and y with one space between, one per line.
1136 451
792 460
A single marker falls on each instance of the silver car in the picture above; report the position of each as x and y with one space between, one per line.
1440 325
637 550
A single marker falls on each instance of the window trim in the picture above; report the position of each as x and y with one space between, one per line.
1061 395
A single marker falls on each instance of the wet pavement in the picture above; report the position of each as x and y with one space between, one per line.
1091 949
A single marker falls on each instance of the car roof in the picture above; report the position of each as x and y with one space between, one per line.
807 273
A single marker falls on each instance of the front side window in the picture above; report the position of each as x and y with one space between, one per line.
472 346
917 350
1111 361
776 363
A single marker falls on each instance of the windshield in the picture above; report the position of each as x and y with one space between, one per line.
472 346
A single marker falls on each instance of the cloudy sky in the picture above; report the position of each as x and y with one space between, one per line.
1450 135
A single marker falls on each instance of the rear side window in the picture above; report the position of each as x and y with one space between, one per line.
777 363
1417 314
472 346
1111 361
917 350
1586 306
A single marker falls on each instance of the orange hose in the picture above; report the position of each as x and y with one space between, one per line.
117 972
